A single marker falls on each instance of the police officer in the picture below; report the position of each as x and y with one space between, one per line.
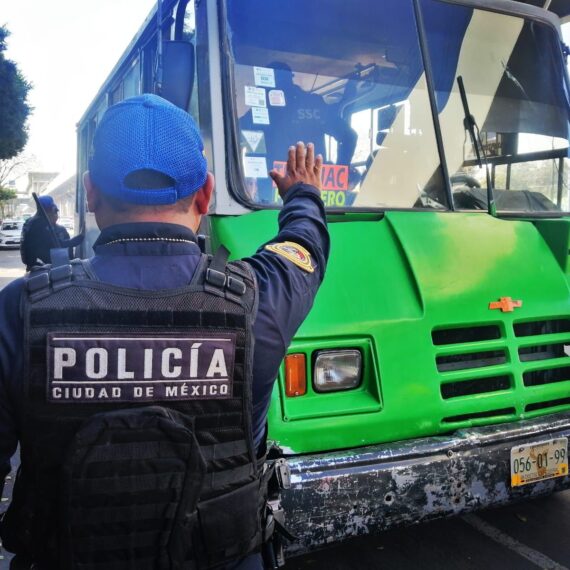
132 381
38 239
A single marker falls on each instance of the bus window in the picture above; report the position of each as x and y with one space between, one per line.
324 81
131 82
117 94
83 158
189 27
189 34
149 65
512 72
101 110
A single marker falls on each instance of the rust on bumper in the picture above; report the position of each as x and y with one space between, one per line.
335 496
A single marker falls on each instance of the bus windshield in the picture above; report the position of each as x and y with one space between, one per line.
513 74
348 77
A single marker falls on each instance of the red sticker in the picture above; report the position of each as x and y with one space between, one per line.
333 176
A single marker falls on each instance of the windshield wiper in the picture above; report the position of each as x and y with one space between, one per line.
470 125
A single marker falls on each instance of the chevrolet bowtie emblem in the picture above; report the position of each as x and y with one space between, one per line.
506 304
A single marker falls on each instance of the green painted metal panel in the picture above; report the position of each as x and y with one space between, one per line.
405 288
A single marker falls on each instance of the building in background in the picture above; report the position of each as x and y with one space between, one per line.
62 190
38 181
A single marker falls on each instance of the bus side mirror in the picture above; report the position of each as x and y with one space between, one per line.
178 64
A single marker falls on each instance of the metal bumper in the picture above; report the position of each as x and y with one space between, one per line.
335 496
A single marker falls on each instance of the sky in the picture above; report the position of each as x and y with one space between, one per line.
66 49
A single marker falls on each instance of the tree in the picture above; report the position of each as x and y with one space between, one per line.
6 195
14 108
13 168
10 170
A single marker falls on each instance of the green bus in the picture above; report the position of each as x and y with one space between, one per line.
432 376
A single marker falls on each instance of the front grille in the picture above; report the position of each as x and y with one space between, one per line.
535 328
544 352
477 386
547 357
547 404
480 415
470 360
465 334
478 360
548 376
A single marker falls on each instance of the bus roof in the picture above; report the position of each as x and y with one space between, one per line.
146 30
560 8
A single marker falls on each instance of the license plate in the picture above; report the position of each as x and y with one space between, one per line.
539 461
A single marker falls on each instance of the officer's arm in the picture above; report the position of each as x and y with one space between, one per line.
302 220
73 242
11 364
66 242
291 267
287 288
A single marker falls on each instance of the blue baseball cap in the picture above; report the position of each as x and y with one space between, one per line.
142 134
47 202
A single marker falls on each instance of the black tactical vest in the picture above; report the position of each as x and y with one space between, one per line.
137 447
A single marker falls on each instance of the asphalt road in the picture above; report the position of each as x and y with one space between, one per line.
526 536
11 266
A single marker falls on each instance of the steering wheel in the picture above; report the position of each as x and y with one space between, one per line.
464 180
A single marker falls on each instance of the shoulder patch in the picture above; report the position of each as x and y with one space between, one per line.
294 253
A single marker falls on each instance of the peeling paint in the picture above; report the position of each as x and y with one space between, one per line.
340 495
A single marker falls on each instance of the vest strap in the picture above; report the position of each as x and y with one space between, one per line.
224 450
59 256
216 273
45 279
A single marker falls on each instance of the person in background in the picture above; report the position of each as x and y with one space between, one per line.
38 239
297 115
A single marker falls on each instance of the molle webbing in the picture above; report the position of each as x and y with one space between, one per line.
138 511
75 304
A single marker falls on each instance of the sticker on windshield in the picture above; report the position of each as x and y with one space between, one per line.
264 76
260 115
277 98
333 176
255 96
255 167
254 141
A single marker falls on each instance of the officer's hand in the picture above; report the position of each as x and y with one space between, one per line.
302 167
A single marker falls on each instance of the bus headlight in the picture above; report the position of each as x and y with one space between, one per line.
337 370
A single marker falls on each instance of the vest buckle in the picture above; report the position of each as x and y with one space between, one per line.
216 278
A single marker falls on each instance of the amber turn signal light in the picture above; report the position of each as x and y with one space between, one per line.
295 375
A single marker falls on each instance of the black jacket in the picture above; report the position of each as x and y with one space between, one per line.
37 240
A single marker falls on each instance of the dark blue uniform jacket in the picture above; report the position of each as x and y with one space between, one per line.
37 240
286 294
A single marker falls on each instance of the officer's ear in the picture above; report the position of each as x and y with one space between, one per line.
203 197
93 199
